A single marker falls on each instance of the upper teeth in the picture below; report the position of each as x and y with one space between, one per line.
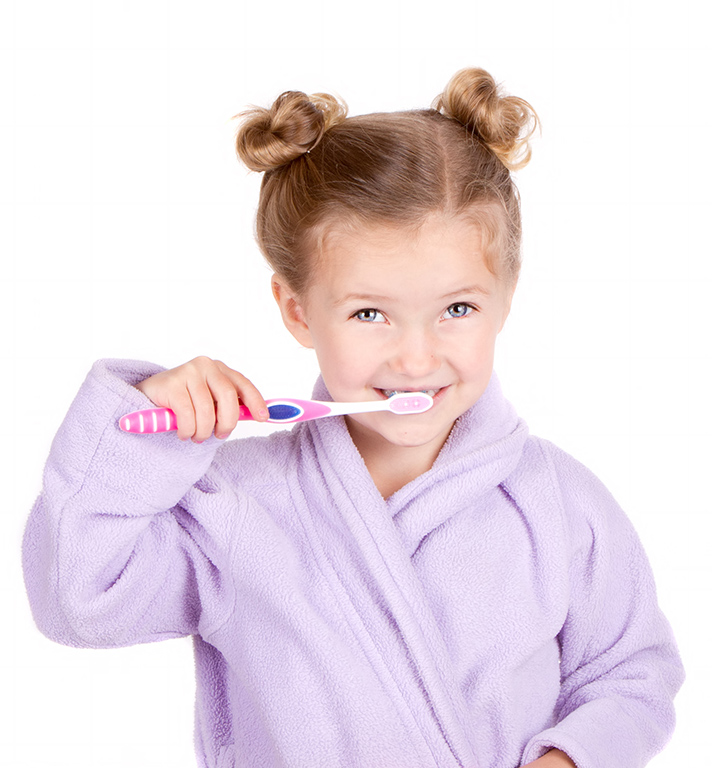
391 392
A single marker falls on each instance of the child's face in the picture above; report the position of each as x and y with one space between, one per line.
388 310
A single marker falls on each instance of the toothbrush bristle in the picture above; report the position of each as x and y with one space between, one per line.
418 402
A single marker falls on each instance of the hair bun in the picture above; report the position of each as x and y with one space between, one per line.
294 124
504 123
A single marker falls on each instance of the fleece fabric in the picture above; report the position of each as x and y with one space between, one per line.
497 606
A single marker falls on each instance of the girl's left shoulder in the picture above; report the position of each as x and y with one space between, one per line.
583 500
573 478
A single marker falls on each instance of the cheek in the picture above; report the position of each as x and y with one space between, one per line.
336 355
471 347
346 361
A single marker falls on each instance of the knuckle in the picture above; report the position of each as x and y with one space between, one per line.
205 410
226 389
200 363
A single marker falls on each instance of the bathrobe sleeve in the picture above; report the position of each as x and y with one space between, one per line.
620 667
121 546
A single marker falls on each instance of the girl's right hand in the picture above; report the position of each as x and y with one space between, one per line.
205 395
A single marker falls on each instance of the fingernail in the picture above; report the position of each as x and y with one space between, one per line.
263 413
223 437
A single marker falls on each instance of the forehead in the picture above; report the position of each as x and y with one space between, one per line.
440 255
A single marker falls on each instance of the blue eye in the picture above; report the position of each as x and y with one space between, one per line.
459 309
369 316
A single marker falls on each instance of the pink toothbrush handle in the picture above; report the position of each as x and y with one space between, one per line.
245 414
153 420
149 421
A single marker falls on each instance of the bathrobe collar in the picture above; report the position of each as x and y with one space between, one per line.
483 448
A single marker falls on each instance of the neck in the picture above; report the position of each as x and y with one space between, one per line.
393 466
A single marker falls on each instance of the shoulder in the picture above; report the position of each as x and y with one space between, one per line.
544 464
577 483
563 484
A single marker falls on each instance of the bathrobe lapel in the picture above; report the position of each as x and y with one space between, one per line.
484 447
365 545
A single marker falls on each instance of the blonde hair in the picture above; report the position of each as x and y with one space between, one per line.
324 169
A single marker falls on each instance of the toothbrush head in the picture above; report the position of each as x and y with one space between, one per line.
410 402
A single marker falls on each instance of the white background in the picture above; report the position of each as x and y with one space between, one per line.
126 231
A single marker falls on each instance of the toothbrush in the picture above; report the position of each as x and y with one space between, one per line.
284 411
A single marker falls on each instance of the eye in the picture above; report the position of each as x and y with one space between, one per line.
459 309
369 316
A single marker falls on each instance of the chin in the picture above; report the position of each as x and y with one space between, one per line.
418 440
401 435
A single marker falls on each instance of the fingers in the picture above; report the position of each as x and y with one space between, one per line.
181 403
204 411
248 394
226 410
205 395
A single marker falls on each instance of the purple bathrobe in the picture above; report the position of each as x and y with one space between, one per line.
495 607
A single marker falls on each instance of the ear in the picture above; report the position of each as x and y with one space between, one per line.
292 311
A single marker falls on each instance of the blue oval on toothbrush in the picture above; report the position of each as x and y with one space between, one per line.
284 412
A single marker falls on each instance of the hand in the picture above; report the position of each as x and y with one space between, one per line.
554 758
204 394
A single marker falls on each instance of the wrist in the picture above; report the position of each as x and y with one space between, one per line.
554 758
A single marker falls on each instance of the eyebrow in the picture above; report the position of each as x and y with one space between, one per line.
378 299
468 289
361 297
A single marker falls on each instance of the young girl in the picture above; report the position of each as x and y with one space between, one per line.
375 590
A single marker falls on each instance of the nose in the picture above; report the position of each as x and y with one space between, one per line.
416 354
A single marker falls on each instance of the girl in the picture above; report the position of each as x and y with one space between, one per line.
379 591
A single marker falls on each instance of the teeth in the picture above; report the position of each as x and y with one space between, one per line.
391 392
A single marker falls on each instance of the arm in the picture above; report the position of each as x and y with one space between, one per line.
123 546
620 667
